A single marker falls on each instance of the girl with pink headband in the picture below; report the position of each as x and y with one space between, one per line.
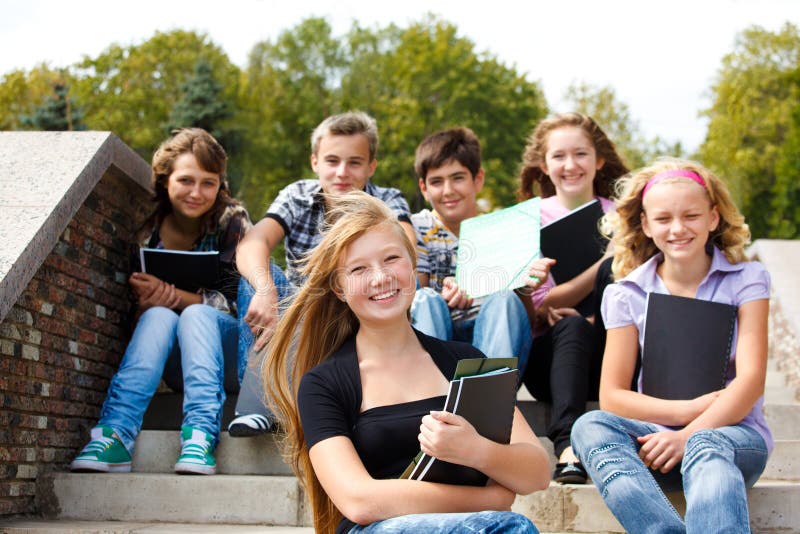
677 232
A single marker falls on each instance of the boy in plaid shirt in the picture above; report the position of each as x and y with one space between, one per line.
343 149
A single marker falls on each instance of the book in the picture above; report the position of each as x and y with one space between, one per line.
574 241
187 270
483 391
687 345
496 249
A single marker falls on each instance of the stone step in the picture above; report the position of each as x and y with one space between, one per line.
157 450
275 500
65 526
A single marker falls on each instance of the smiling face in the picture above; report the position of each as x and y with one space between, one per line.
678 217
376 278
451 189
571 163
192 190
342 163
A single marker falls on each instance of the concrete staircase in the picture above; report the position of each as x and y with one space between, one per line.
256 492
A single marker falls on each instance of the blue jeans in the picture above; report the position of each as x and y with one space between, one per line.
474 523
251 395
191 350
717 468
500 330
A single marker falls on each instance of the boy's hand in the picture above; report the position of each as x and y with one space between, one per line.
262 317
455 297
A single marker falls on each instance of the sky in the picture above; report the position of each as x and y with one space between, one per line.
661 58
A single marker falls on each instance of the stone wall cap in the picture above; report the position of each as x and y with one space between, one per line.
44 178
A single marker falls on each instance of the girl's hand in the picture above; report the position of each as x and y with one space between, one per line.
448 437
455 297
556 314
699 405
538 272
162 294
143 284
661 451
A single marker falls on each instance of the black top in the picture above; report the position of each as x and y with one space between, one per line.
384 437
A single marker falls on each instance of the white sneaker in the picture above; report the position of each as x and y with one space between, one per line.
251 425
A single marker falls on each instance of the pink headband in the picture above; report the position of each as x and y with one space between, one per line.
675 173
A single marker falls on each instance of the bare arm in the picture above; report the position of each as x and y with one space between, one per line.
571 292
252 260
364 500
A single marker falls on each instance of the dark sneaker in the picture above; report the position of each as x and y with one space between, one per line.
197 453
570 473
105 453
245 426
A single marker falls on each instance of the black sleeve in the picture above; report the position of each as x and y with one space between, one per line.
322 408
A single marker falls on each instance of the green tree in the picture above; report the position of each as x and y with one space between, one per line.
131 90
202 104
426 77
289 86
58 112
22 91
750 121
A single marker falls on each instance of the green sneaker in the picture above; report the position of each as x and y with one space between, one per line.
105 453
197 453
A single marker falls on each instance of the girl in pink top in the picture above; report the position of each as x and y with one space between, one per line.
569 161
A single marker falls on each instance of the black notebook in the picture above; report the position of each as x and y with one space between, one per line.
574 241
483 391
687 344
187 270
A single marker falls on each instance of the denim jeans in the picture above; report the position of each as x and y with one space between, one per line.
500 330
251 395
717 468
192 350
476 522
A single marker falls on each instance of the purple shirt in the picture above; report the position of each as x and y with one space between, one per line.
550 209
625 302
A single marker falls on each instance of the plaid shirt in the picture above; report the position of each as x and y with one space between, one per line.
300 209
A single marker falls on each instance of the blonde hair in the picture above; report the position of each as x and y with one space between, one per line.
632 247
315 325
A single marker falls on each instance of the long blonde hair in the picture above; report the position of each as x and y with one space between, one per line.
632 247
315 325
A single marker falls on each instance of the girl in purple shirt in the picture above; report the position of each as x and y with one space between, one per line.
676 231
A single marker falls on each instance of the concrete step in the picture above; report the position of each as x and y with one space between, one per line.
273 500
65 526
157 450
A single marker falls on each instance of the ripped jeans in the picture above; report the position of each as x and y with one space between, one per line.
717 468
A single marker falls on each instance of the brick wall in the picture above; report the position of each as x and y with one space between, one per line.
63 339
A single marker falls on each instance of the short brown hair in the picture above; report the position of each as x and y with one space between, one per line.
455 144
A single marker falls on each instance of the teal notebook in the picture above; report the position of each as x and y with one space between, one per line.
496 249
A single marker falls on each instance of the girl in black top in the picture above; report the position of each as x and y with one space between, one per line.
357 390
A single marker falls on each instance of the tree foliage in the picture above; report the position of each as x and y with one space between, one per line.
22 91
131 90
752 133
57 113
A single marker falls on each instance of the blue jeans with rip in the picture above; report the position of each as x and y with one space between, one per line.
718 466
500 330
474 523
194 351
251 395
